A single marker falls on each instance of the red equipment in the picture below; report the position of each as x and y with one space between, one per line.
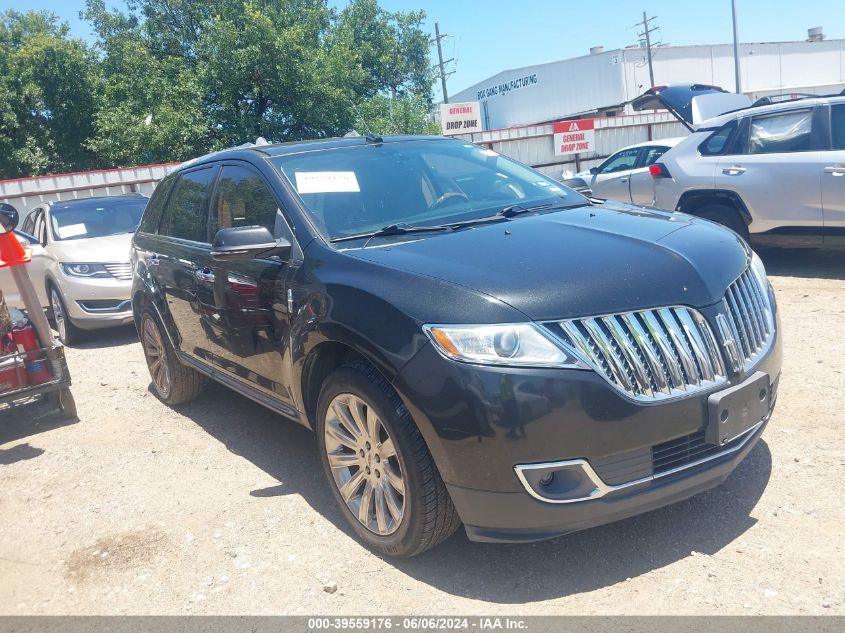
36 364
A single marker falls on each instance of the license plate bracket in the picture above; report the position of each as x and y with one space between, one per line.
735 410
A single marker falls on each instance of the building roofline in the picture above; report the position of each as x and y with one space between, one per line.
636 48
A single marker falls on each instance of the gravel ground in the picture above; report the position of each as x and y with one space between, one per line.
220 507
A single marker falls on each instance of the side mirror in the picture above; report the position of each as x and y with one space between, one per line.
248 242
9 217
594 170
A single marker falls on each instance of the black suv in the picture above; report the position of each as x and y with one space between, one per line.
471 341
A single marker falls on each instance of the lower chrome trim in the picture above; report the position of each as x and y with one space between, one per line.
602 489
122 306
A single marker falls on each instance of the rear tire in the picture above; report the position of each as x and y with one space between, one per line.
69 334
377 450
726 216
173 382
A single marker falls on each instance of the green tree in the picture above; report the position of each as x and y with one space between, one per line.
150 107
184 77
384 115
47 87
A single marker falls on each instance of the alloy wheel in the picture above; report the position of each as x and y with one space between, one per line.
156 357
364 464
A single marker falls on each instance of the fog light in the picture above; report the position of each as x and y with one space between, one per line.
566 481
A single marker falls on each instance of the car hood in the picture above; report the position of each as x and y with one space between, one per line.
111 248
596 259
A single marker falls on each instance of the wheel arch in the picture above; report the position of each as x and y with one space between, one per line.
695 199
320 362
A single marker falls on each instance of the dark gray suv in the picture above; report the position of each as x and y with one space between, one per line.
472 342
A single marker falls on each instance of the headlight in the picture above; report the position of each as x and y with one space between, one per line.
512 344
759 271
758 268
88 271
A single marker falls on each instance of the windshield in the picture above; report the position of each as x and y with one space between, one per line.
96 218
363 188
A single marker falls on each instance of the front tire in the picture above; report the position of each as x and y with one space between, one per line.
69 334
378 465
173 382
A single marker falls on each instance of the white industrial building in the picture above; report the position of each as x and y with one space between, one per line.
518 106
602 82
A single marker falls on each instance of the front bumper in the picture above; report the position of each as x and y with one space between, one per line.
96 303
482 422
516 517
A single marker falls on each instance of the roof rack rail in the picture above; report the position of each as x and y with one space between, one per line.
792 96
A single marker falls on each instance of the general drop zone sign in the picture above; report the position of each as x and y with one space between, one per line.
460 118
574 137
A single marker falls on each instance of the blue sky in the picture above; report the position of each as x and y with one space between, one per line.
493 35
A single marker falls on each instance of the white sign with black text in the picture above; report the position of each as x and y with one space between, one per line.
460 118
574 137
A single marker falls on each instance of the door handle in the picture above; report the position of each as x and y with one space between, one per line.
734 170
204 275
836 170
623 180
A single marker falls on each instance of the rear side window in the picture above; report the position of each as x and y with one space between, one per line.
241 198
40 228
185 217
652 154
837 126
781 133
155 207
28 224
718 142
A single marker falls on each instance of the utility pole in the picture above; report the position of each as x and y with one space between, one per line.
736 49
442 63
646 34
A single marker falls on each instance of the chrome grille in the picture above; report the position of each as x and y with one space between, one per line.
121 271
749 321
649 355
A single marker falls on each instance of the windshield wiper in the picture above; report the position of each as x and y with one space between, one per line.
516 209
400 228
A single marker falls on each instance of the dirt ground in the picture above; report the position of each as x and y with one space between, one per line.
221 507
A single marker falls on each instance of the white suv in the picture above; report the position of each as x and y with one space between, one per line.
80 261
774 172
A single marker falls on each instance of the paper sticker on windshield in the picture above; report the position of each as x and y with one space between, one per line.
326 182
72 230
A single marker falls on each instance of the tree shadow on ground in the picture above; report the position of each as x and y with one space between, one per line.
508 574
19 452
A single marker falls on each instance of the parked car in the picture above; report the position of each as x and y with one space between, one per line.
774 171
471 341
624 175
80 261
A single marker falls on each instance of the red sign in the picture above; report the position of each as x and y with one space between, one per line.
574 137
